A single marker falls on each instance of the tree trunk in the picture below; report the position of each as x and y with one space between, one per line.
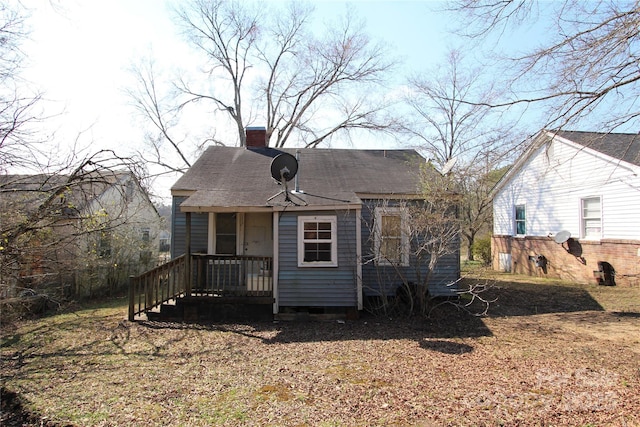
470 256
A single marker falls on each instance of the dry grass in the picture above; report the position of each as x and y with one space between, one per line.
548 354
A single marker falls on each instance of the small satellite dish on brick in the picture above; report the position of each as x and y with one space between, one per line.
284 167
562 236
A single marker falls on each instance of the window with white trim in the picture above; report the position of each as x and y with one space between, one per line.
317 241
521 220
591 217
391 238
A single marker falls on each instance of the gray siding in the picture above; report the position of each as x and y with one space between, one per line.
317 286
381 279
199 230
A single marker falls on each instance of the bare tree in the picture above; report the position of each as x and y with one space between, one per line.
265 65
448 120
227 32
435 226
476 208
166 147
17 101
430 229
590 62
312 78
50 222
52 207
458 131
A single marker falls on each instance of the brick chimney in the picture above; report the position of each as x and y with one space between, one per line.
256 137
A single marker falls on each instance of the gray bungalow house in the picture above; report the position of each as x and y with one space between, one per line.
321 242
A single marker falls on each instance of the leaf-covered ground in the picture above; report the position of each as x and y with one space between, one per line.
547 354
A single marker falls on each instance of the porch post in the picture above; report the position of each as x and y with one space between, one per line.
359 258
132 297
274 267
189 272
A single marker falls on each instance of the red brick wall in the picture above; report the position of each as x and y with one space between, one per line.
256 137
579 265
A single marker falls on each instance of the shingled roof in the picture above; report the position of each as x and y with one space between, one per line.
240 177
622 146
29 191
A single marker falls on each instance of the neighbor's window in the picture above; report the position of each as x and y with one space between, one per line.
521 220
145 255
591 218
225 234
317 242
391 241
104 245
146 235
165 244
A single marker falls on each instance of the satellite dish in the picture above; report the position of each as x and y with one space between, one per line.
562 236
284 167
449 165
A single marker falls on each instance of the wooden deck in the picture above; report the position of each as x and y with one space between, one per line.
200 287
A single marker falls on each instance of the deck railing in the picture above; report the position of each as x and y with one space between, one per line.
157 286
232 275
211 275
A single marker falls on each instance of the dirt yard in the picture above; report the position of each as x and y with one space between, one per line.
547 354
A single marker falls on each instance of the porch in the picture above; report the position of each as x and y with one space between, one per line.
199 286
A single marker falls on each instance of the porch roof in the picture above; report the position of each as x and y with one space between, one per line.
232 200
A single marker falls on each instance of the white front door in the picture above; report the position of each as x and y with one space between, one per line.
258 234
258 242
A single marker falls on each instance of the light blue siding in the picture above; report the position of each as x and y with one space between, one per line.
317 286
199 230
326 286
382 279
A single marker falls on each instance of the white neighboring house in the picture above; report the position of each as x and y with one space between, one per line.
130 242
84 234
570 208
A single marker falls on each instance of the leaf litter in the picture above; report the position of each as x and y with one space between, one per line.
512 367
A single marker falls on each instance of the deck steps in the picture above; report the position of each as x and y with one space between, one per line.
213 309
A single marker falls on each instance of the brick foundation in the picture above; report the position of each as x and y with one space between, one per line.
575 260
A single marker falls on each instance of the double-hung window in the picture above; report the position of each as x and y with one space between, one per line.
591 218
391 239
317 241
521 220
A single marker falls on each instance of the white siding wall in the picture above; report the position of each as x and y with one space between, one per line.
553 181
130 215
